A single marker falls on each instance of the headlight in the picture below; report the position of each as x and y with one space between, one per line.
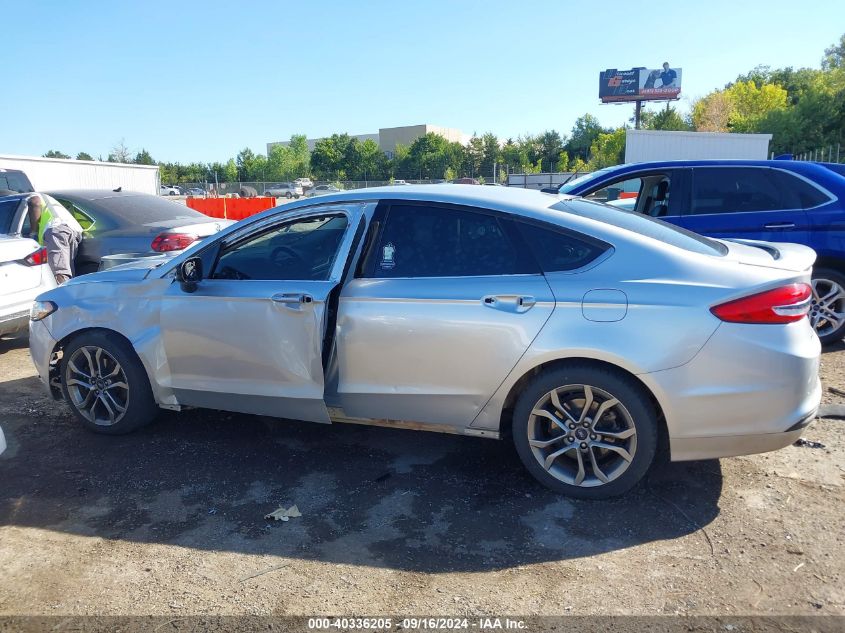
41 310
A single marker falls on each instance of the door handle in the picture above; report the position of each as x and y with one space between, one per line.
509 303
780 225
292 298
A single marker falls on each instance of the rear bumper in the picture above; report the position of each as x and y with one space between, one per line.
14 322
691 448
750 389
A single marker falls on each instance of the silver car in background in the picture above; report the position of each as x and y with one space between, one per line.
284 190
587 334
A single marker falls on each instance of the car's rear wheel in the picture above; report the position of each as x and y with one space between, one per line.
288 195
105 384
827 310
585 431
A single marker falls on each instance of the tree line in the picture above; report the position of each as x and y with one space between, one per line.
804 109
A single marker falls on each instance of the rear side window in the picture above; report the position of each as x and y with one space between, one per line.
557 250
15 181
431 241
7 213
795 192
741 190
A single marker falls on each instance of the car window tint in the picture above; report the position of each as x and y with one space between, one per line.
423 241
733 190
795 192
85 221
302 249
557 250
7 213
15 181
642 224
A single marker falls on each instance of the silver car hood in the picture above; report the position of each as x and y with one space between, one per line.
130 271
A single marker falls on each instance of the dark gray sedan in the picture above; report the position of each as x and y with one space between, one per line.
119 222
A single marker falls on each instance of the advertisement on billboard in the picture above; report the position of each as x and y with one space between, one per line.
640 84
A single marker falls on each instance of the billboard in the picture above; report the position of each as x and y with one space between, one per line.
640 84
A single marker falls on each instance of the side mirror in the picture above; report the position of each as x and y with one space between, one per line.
189 274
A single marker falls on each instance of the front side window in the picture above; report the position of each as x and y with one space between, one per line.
85 221
303 249
734 190
430 241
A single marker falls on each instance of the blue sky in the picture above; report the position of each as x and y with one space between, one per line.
200 80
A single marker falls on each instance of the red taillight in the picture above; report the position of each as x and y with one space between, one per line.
781 305
37 258
172 242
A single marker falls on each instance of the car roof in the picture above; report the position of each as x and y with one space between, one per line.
95 194
514 200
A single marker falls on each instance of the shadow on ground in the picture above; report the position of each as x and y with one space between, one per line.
370 496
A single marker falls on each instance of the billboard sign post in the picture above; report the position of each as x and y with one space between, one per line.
640 84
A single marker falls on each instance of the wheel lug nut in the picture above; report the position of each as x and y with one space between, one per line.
592 436
571 425
570 439
583 445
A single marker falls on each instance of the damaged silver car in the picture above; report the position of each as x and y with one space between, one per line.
586 335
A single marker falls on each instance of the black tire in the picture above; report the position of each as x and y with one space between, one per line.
633 400
140 406
834 276
288 195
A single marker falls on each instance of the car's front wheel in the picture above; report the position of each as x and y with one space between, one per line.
585 431
827 309
105 384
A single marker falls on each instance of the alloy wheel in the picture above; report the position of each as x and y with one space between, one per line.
97 385
582 435
827 307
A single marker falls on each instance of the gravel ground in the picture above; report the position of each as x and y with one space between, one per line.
170 521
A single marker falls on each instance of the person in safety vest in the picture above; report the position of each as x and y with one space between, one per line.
54 227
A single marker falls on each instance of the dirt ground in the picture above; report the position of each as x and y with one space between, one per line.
170 521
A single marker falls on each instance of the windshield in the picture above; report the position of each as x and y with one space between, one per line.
580 180
644 225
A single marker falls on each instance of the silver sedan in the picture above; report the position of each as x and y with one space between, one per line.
588 335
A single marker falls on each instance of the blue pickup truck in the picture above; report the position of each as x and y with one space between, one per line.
772 200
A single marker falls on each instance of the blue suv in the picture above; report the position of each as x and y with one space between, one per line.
772 200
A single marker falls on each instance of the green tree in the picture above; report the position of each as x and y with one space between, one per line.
550 147
490 153
83 156
55 154
584 132
245 161
230 173
143 158
664 119
608 149
834 56
473 155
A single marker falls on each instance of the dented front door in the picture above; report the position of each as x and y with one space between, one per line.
249 339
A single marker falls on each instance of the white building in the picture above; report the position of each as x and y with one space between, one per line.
650 145
57 173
